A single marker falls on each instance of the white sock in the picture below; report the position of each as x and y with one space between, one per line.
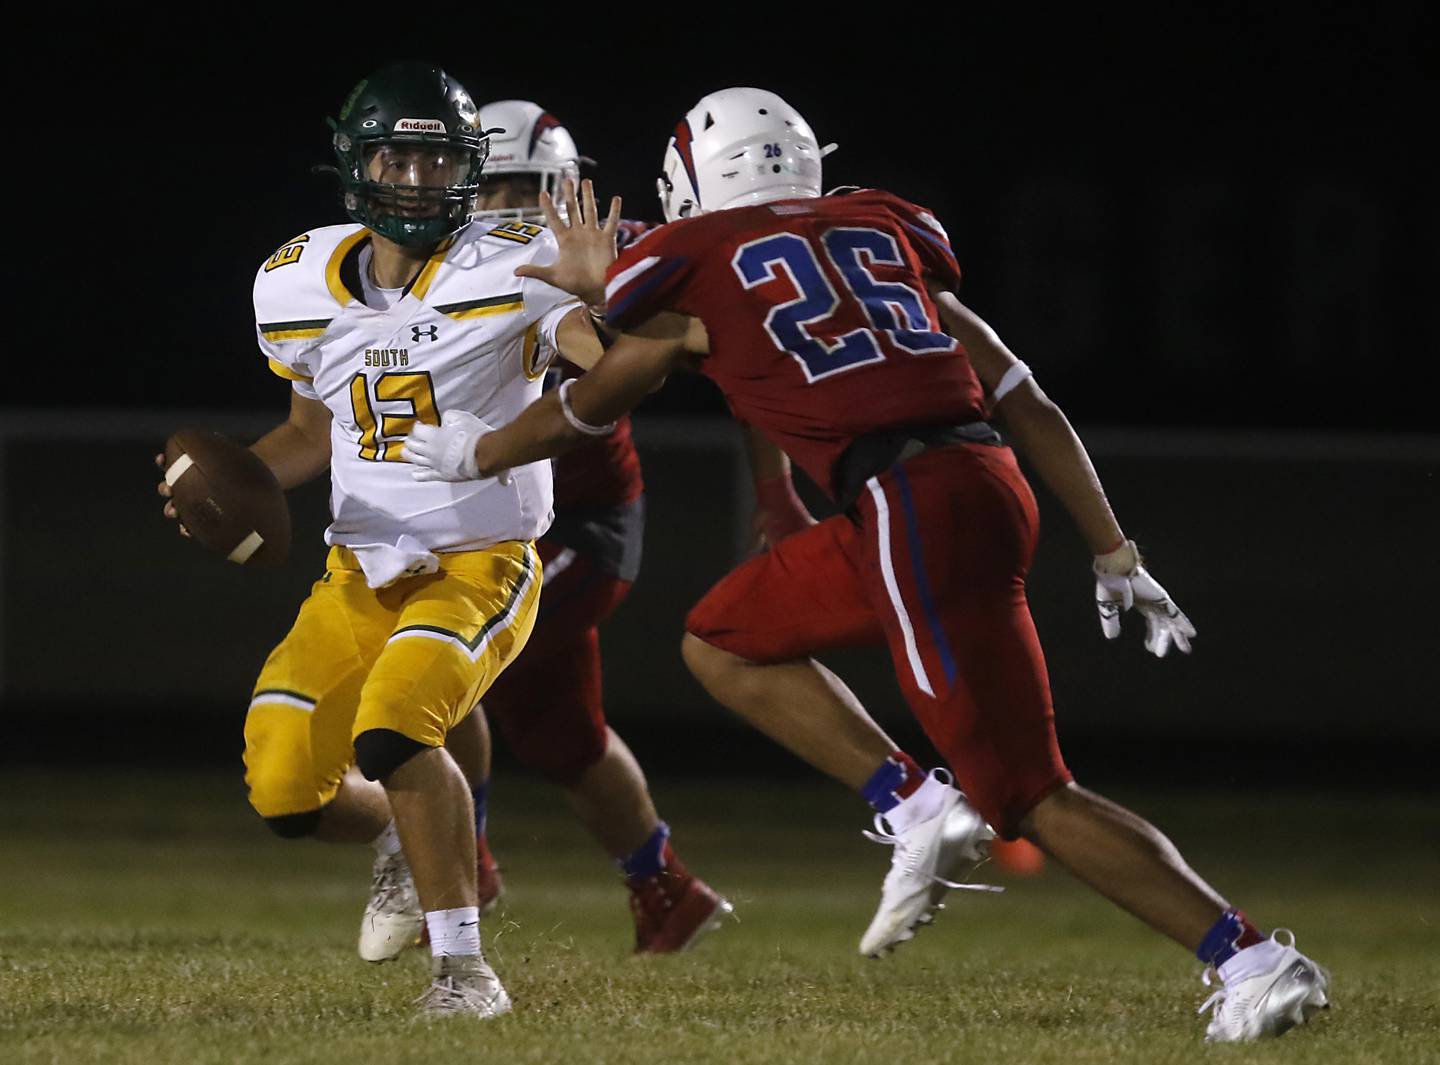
1255 958
454 931
387 842
924 803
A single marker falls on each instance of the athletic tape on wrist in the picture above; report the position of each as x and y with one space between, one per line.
574 420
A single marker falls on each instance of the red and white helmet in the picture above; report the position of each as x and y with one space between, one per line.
734 148
533 142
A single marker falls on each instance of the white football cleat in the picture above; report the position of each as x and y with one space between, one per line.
463 984
929 857
1267 989
393 919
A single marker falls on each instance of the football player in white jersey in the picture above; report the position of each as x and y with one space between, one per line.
413 315
549 707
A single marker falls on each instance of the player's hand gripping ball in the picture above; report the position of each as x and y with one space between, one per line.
224 496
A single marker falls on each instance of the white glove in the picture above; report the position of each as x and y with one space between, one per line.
1121 583
446 452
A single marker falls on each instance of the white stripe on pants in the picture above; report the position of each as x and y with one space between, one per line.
887 567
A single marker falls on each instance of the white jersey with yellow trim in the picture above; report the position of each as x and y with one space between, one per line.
467 335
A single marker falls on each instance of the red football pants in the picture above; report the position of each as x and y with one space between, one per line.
935 567
547 705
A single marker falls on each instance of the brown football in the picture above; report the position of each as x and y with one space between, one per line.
228 498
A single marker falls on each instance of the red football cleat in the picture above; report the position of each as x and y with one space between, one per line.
673 908
487 876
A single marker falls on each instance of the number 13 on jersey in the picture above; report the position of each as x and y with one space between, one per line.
810 326
409 397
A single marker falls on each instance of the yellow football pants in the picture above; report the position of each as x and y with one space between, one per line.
414 657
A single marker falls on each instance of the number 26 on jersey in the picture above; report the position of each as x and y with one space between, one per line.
812 327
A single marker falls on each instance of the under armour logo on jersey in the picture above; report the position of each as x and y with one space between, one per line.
428 332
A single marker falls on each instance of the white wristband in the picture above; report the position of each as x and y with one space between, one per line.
1013 377
574 420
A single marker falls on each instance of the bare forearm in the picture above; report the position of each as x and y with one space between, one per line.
1059 458
292 454
1037 425
625 376
539 433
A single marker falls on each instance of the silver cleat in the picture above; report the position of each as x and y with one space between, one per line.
1267 989
929 859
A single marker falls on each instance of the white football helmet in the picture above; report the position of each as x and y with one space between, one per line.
734 148
533 142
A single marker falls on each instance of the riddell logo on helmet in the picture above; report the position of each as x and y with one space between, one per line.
419 125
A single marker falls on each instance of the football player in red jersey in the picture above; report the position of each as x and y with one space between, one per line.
832 325
598 514
550 710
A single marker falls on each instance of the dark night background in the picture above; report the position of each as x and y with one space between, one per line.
1191 220
1232 213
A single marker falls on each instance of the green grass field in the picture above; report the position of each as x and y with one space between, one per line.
153 920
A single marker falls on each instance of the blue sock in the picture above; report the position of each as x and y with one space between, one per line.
648 858
1230 934
480 792
896 779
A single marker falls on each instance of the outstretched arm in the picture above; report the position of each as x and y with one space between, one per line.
448 451
589 405
1055 451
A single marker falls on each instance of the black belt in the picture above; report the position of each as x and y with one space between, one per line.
613 536
874 453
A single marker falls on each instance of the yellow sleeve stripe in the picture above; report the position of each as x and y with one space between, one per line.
482 312
482 308
281 370
291 334
307 330
516 238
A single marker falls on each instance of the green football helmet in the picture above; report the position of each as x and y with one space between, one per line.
410 149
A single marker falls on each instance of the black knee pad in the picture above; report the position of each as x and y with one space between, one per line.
381 751
295 826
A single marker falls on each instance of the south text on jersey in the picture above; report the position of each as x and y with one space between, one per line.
387 357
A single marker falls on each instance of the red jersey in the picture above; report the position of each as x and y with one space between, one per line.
821 328
606 470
